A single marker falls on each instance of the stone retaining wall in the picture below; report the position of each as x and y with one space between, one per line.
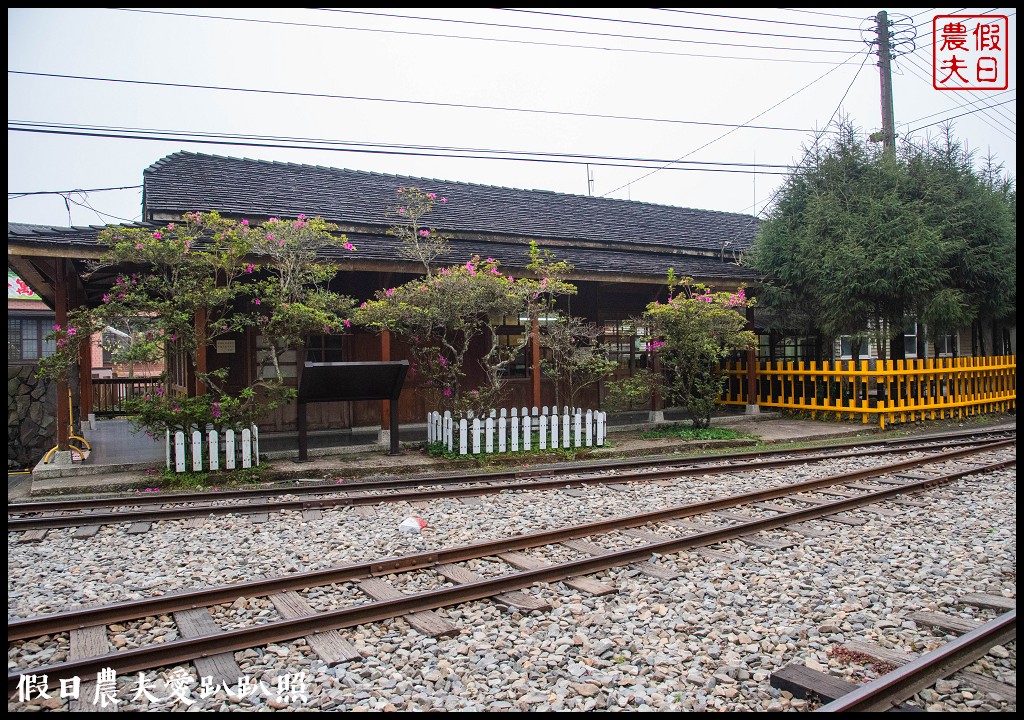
31 416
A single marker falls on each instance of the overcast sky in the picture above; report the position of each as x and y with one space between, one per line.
561 86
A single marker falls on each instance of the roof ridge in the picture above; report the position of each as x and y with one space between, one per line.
459 183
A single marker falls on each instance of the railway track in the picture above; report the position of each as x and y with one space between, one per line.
891 482
91 514
915 674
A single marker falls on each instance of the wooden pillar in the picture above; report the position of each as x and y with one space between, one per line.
385 405
535 352
199 385
656 399
84 364
60 291
752 407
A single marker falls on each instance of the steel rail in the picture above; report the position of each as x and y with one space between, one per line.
279 631
884 693
62 521
115 612
22 508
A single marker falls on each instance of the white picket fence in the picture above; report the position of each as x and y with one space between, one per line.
502 431
220 451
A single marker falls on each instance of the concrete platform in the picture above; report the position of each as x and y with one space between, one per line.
364 457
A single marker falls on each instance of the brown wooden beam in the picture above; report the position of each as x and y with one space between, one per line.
199 387
535 352
61 318
385 356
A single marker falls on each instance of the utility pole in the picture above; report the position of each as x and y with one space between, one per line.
885 71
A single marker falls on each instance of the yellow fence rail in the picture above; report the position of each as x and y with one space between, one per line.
887 390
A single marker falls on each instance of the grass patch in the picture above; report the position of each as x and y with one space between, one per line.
496 459
686 432
168 480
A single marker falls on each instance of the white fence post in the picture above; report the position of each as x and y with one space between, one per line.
448 430
489 438
167 449
554 431
179 451
256 445
246 448
543 442
526 433
197 450
565 428
602 418
462 437
214 450
577 426
476 436
502 422
229 450
590 428
515 431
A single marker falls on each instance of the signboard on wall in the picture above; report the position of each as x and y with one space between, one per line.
18 289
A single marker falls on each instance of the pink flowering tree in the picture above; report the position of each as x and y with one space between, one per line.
444 315
292 298
420 243
194 282
576 359
693 332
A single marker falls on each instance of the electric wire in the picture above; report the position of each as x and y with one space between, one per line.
407 153
749 19
815 12
917 67
989 120
616 20
317 95
13 195
498 40
821 77
356 143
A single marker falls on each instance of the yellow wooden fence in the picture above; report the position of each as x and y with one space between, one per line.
890 390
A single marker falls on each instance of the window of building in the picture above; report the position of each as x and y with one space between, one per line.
910 340
26 339
512 333
626 344
327 348
945 345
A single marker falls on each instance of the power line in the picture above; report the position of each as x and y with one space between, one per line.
953 117
818 136
356 143
499 40
925 117
13 195
751 119
461 106
212 139
763 20
992 122
99 214
631 22
815 12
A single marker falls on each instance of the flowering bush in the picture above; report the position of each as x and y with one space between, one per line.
205 278
442 315
420 243
695 330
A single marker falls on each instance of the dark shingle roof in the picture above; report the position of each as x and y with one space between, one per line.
187 182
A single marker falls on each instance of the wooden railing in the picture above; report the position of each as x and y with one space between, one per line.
109 394
890 390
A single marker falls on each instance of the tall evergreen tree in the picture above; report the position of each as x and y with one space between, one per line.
863 239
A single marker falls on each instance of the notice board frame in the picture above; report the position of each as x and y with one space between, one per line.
346 381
